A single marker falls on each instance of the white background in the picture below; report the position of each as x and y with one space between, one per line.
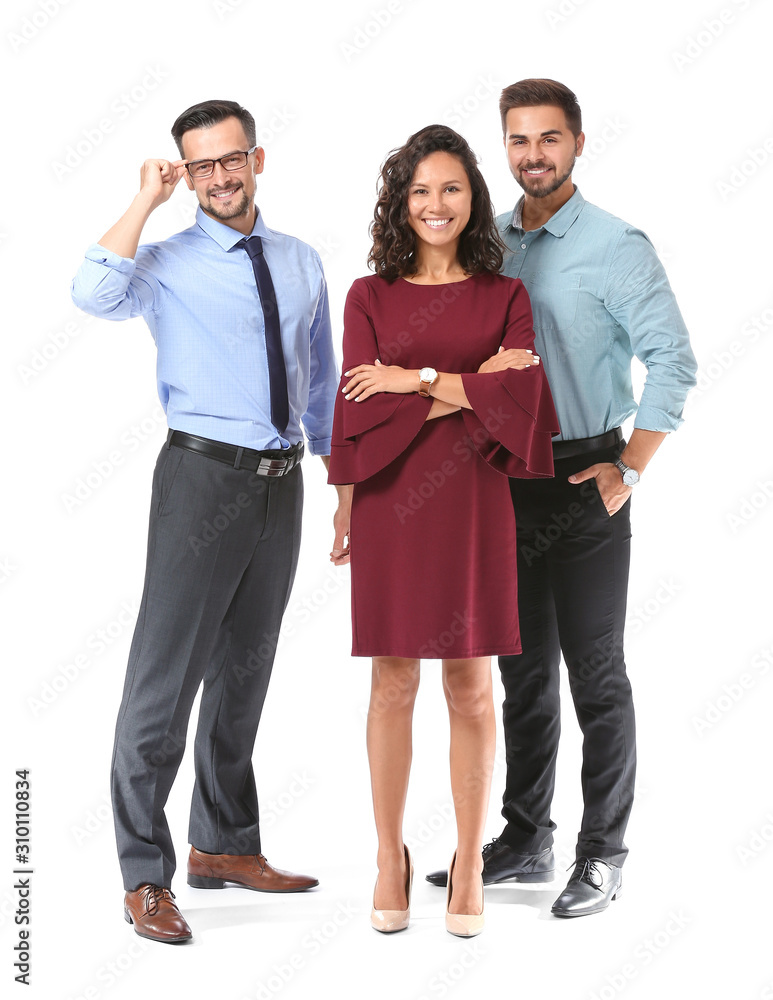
676 112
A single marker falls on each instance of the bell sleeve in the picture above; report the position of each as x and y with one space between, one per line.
513 420
367 436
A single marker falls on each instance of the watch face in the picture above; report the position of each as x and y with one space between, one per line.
428 374
630 476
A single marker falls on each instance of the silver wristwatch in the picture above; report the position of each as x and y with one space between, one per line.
427 378
630 476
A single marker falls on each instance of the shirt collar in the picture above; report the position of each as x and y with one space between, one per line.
558 224
225 236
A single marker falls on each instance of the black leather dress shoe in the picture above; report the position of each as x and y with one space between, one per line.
593 884
502 864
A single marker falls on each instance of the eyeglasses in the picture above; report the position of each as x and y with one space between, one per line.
199 169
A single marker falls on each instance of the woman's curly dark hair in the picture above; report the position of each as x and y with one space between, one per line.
393 254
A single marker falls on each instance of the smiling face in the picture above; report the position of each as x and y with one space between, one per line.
541 149
439 200
227 195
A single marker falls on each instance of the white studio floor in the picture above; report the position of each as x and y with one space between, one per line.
665 936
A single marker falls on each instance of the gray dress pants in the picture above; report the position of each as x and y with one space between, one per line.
222 552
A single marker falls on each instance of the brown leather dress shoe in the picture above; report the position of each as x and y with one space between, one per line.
252 871
154 914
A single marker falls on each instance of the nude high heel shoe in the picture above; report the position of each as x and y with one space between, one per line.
389 921
462 924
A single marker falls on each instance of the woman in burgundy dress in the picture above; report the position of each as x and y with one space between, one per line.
441 400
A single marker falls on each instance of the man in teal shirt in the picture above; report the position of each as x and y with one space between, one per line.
600 297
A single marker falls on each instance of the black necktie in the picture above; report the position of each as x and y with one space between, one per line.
277 374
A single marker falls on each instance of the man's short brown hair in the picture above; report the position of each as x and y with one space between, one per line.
533 93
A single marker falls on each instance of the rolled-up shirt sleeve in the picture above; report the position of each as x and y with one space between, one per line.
513 419
639 297
323 379
113 287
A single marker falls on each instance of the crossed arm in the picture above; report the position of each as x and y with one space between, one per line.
449 397
448 390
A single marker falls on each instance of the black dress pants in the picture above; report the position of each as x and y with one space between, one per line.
222 552
573 561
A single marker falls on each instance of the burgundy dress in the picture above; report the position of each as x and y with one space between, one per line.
432 537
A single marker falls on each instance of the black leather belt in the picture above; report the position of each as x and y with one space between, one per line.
265 463
579 446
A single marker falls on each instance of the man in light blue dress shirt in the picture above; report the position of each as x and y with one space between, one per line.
226 505
599 296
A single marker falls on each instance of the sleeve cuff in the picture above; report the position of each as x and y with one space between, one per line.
320 446
649 418
101 255
512 421
382 435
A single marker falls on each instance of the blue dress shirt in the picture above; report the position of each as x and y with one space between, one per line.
600 296
199 298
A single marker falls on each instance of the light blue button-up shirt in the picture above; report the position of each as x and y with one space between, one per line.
600 297
199 297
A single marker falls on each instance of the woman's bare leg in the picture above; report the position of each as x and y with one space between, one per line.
395 681
468 691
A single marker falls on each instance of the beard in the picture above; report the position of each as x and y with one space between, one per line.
234 210
538 188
